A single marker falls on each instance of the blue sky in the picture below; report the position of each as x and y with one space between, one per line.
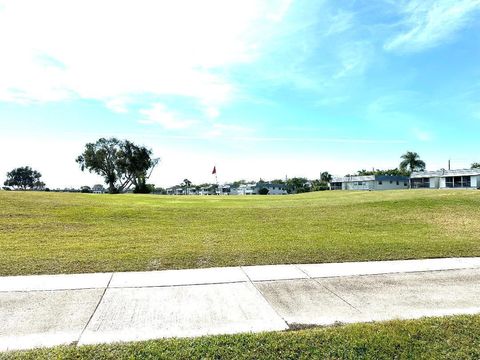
257 88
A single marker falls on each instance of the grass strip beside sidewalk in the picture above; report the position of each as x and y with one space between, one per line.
456 337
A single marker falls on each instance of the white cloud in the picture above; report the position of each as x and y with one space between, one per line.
118 105
111 49
422 135
159 114
429 23
354 58
278 13
212 112
340 22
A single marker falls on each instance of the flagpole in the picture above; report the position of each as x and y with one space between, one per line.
214 172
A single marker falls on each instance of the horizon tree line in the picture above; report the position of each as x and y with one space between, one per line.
123 164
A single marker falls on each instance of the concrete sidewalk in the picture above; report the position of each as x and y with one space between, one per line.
49 310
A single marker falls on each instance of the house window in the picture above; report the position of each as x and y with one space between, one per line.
449 182
398 182
458 182
420 183
380 183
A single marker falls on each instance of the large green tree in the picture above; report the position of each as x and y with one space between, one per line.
319 185
411 162
121 163
326 177
476 165
24 178
297 185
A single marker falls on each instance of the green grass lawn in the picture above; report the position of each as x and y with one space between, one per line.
47 233
435 338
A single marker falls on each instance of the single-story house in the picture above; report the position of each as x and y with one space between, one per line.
209 190
446 179
246 189
226 189
192 191
273 189
176 190
98 189
371 182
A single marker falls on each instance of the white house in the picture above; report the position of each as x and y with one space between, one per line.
98 189
254 189
246 189
176 190
371 182
209 190
273 189
446 179
192 191
226 189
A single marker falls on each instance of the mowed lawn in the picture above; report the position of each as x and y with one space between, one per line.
48 233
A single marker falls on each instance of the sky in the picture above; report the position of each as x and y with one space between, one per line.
259 89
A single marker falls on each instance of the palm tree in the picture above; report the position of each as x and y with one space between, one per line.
187 183
326 177
411 162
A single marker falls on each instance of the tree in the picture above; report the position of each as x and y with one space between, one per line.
319 185
411 162
121 163
326 177
390 172
476 165
237 183
24 178
137 165
186 184
364 172
297 185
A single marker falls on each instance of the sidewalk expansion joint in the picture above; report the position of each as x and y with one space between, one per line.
177 285
301 270
264 298
96 308
330 291
338 296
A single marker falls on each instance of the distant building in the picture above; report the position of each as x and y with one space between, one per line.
230 189
446 179
273 189
192 191
246 189
98 189
371 182
226 189
176 190
209 190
